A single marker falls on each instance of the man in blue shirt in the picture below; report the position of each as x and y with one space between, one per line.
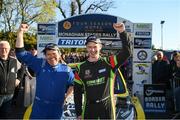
52 78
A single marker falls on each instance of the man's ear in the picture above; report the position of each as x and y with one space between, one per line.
59 51
100 45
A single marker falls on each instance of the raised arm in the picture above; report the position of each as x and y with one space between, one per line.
124 53
20 42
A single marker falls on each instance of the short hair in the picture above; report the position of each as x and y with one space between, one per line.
92 38
51 46
5 42
160 52
178 54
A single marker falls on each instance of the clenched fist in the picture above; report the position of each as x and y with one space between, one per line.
120 27
23 27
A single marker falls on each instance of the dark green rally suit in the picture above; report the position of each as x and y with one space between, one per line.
96 81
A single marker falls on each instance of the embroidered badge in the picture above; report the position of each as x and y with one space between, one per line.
102 70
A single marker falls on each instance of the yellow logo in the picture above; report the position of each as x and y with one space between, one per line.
67 25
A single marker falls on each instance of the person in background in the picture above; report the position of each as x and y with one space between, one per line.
95 78
8 79
160 70
176 79
21 72
52 78
161 76
30 82
173 65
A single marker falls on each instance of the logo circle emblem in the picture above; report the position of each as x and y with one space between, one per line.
67 25
142 55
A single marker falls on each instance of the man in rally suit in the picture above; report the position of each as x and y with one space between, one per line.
52 78
95 78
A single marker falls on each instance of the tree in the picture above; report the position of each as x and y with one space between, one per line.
77 7
15 12
1 3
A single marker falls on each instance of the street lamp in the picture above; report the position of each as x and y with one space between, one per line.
162 22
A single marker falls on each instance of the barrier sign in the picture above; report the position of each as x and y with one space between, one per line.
154 98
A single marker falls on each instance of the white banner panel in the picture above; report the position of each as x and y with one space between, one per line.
143 27
141 75
46 38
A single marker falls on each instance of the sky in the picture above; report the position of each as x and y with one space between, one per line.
153 11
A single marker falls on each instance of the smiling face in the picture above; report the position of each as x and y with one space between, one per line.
4 50
53 57
159 55
93 50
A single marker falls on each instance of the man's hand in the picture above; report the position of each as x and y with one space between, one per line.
20 42
23 28
120 27
17 82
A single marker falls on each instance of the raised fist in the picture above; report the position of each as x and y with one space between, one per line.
120 27
23 27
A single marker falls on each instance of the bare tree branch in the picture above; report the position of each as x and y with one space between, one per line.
102 5
84 6
61 10
30 21
73 7
79 6
1 6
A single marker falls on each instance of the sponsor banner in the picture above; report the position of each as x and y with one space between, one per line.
42 45
141 75
142 34
142 26
111 43
84 25
142 55
46 38
154 98
46 29
142 43
71 42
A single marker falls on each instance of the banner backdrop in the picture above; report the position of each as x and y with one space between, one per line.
142 58
72 32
